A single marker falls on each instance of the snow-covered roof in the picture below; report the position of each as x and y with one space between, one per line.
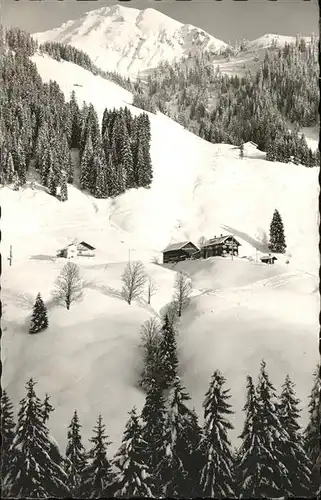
219 240
76 243
177 246
266 257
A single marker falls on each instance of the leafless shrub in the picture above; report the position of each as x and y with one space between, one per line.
68 285
182 292
134 280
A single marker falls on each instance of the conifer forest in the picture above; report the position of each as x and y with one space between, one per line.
165 452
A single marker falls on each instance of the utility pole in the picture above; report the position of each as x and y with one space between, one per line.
10 256
129 255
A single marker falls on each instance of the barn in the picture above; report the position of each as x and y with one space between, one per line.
268 259
220 246
179 251
80 249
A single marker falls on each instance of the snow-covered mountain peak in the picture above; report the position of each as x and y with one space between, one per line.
129 40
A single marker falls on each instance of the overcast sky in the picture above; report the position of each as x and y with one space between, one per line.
228 20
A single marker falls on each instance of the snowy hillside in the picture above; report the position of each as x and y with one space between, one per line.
130 40
269 40
241 311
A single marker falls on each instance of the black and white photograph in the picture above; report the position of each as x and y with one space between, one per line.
159 189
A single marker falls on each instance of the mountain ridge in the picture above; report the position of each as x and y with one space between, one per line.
129 40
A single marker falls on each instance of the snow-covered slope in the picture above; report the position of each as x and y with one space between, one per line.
130 40
241 311
270 40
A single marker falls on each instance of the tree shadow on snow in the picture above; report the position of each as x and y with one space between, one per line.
105 289
260 245
43 257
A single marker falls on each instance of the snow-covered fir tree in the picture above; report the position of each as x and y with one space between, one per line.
98 476
47 408
261 465
295 458
63 195
134 477
75 461
153 428
277 238
7 434
10 169
39 319
274 473
248 467
32 471
312 431
76 120
168 353
193 456
217 473
100 189
85 164
172 468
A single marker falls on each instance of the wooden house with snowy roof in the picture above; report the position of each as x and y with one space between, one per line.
176 252
220 246
77 249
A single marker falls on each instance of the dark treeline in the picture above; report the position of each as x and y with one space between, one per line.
38 129
232 109
165 452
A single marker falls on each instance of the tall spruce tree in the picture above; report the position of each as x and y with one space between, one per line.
100 189
63 195
275 476
295 458
172 469
216 475
7 434
39 320
168 353
75 458
47 408
98 476
312 432
32 471
76 120
277 238
193 456
153 429
248 469
85 164
134 478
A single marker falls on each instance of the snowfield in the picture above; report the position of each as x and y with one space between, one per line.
240 310
130 40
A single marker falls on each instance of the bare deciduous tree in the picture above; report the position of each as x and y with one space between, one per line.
134 280
68 285
150 342
182 292
151 288
150 334
201 241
